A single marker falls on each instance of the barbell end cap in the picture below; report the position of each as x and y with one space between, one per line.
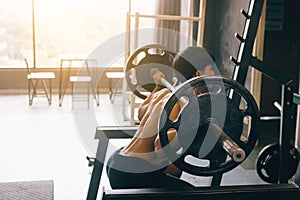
239 155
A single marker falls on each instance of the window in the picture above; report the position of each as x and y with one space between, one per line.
15 31
62 27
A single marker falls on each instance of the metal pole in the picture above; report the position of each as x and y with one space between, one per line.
33 36
190 23
297 133
286 129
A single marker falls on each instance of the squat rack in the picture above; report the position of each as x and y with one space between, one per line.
288 97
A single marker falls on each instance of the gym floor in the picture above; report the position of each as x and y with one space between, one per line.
42 142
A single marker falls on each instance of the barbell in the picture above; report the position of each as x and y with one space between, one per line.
214 132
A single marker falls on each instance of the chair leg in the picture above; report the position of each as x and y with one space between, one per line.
95 94
50 88
88 97
72 85
32 93
81 94
47 93
34 87
29 92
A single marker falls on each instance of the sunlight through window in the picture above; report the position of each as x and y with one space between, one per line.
61 27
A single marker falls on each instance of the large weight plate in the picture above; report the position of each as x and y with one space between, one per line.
200 152
141 62
267 163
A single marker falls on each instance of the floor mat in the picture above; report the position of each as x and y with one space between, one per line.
27 190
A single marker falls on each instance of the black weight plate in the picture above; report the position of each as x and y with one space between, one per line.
142 61
216 106
267 163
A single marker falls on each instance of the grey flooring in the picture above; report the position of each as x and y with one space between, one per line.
42 142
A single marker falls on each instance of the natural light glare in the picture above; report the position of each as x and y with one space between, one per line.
62 27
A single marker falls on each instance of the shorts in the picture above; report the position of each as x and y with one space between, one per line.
126 172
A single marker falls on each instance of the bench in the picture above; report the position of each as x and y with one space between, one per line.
253 192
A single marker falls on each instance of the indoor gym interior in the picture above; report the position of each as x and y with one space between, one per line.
48 145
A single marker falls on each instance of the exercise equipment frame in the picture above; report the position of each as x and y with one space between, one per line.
288 97
258 192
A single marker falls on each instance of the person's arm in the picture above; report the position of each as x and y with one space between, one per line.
172 136
171 169
161 157
143 140
144 106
